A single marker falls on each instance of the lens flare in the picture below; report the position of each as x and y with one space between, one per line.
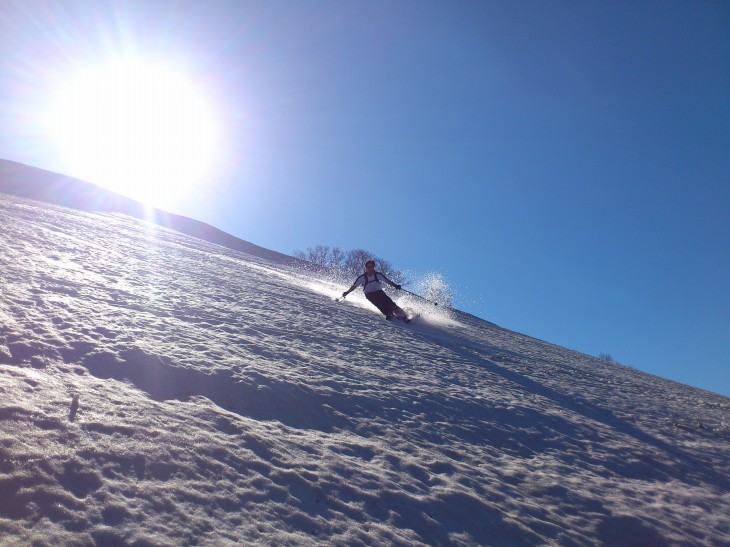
136 127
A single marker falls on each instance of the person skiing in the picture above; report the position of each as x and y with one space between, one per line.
373 288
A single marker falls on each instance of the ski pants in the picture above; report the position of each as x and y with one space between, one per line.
383 302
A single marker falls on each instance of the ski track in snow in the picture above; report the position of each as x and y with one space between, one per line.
225 399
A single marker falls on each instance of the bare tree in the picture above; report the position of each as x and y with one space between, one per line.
384 267
337 257
320 254
322 257
354 263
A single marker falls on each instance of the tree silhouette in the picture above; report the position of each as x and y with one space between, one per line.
337 261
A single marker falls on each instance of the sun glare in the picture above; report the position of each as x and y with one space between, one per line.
135 127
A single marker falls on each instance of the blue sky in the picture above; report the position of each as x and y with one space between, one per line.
565 165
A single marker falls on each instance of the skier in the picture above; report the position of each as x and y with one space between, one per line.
371 282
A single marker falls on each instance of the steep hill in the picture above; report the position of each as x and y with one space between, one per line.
156 389
31 182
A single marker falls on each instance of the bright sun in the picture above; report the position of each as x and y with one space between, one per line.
136 128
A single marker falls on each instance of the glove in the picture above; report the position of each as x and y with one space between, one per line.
398 287
344 294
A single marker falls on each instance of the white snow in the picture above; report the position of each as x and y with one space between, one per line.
225 399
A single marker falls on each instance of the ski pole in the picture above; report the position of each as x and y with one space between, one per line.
419 296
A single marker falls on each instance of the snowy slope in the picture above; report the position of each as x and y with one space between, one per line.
224 399
31 182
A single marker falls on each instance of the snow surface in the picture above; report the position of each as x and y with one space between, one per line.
225 399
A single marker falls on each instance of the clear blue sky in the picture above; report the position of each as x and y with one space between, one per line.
565 164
